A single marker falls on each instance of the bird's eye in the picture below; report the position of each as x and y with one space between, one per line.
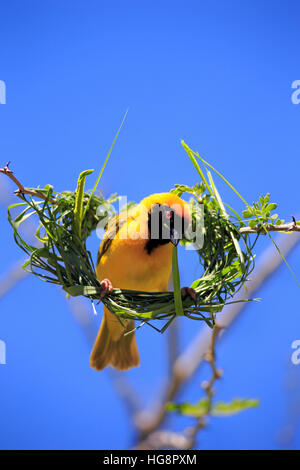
168 215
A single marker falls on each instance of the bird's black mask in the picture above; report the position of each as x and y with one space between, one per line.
164 226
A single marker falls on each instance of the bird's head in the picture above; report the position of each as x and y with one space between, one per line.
168 218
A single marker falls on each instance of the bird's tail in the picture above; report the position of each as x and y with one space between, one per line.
112 347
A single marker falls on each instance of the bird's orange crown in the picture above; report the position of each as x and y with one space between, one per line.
180 207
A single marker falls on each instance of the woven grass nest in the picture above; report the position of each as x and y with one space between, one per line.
66 220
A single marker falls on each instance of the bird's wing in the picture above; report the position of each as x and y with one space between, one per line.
112 230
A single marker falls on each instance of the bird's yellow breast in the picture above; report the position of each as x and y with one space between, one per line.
129 266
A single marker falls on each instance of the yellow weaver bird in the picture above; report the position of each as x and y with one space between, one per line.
136 254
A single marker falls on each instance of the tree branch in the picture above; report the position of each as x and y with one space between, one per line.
11 278
189 361
165 440
186 439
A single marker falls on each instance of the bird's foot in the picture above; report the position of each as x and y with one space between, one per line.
189 291
106 288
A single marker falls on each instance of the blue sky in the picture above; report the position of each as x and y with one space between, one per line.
217 75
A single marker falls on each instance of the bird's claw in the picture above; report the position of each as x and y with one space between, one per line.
189 291
106 288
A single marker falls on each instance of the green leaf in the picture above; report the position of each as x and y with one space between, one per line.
196 283
176 282
222 208
194 161
216 171
282 256
78 209
247 214
271 207
219 409
253 223
105 162
187 409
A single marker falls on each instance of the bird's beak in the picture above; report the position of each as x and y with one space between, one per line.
174 236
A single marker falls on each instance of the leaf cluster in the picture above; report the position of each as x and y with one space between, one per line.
261 213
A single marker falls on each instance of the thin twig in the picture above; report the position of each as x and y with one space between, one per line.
21 191
289 227
210 357
163 439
